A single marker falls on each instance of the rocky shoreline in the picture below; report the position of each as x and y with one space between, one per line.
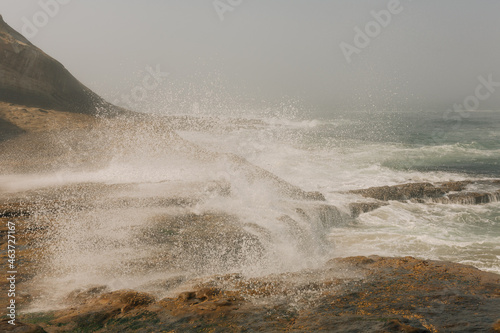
467 192
48 121
358 294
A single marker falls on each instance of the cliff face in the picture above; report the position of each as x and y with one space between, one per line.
29 76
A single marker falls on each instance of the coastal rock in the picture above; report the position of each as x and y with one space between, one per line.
31 77
402 192
359 294
460 192
470 198
358 208
97 311
19 327
20 119
82 296
8 129
13 210
201 243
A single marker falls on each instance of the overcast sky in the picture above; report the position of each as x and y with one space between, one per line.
426 54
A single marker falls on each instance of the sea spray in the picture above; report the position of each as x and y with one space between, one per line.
132 203
150 206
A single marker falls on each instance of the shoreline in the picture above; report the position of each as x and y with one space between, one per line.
353 293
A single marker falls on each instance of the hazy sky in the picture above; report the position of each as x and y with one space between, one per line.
429 55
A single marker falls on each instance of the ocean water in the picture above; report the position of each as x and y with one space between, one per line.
153 210
353 150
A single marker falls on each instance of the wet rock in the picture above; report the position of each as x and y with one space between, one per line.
95 312
19 327
199 295
315 196
324 215
27 256
205 302
402 192
128 298
358 208
447 192
201 242
469 198
9 210
207 293
397 326
440 296
358 294
455 186
84 295
186 295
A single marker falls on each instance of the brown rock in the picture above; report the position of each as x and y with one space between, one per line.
97 311
454 186
207 293
10 210
19 327
469 198
357 208
82 296
448 192
402 192
315 196
358 294
127 298
397 326
186 295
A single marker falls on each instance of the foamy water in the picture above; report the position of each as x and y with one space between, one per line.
301 153
158 211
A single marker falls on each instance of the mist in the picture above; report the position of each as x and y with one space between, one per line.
291 165
429 55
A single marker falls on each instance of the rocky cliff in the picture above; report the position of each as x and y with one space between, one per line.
30 77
